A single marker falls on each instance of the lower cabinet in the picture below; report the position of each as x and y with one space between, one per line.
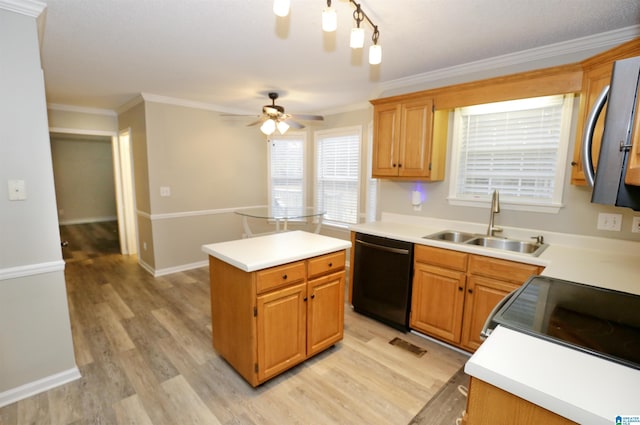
266 322
454 292
489 405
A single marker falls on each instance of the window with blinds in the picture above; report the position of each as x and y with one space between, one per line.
517 147
286 171
337 171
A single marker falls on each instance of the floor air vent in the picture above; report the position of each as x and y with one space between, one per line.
414 349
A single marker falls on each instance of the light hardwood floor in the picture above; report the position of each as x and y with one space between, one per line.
143 346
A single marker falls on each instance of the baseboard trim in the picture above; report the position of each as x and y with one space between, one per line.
87 220
181 268
39 386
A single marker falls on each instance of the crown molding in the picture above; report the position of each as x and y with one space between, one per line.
600 41
31 8
150 97
81 109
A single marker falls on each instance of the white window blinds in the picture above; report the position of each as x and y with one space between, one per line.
337 160
517 147
286 171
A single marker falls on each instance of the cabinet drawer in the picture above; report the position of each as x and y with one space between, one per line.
279 276
326 264
501 269
441 257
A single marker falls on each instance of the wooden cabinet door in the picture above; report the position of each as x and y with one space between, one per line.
437 301
386 135
482 296
325 312
281 330
415 139
632 175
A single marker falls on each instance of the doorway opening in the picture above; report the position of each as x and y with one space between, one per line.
93 175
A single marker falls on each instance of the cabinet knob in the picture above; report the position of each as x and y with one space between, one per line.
460 288
573 163
284 277
313 296
330 264
399 165
470 291
304 299
393 165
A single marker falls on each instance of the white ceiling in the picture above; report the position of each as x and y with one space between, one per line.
230 53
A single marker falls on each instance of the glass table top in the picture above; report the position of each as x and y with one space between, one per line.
280 213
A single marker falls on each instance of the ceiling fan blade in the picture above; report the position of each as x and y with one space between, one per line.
294 124
238 115
308 117
261 120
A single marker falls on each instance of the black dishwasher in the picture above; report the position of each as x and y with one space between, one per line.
382 279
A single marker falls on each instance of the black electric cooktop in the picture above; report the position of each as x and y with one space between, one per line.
595 320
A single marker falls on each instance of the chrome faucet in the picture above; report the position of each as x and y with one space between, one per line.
495 208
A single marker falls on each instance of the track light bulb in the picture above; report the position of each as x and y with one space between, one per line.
281 7
329 19
357 38
375 54
268 127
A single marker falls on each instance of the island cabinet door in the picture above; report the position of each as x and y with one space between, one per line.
281 330
325 321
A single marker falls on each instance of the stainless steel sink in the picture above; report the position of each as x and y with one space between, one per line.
505 244
513 245
451 236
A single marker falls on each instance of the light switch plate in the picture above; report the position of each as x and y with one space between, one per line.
611 222
17 190
635 225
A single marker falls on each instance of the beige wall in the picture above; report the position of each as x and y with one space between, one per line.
134 120
81 120
36 349
212 166
84 179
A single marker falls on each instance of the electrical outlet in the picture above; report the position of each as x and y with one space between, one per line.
635 225
165 191
612 222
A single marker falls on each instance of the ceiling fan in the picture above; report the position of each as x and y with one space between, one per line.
274 117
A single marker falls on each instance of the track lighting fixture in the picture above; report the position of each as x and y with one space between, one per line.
281 7
329 18
330 23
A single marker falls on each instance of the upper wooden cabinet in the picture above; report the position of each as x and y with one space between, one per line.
409 139
596 76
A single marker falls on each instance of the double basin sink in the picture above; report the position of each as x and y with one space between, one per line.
533 248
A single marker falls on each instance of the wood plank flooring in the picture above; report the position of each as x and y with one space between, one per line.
143 346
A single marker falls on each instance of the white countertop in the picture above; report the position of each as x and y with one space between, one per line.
581 387
273 250
607 263
584 388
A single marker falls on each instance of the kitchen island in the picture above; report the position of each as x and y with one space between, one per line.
276 300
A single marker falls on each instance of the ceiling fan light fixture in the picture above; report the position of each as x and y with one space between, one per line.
268 127
281 7
282 127
329 18
357 38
